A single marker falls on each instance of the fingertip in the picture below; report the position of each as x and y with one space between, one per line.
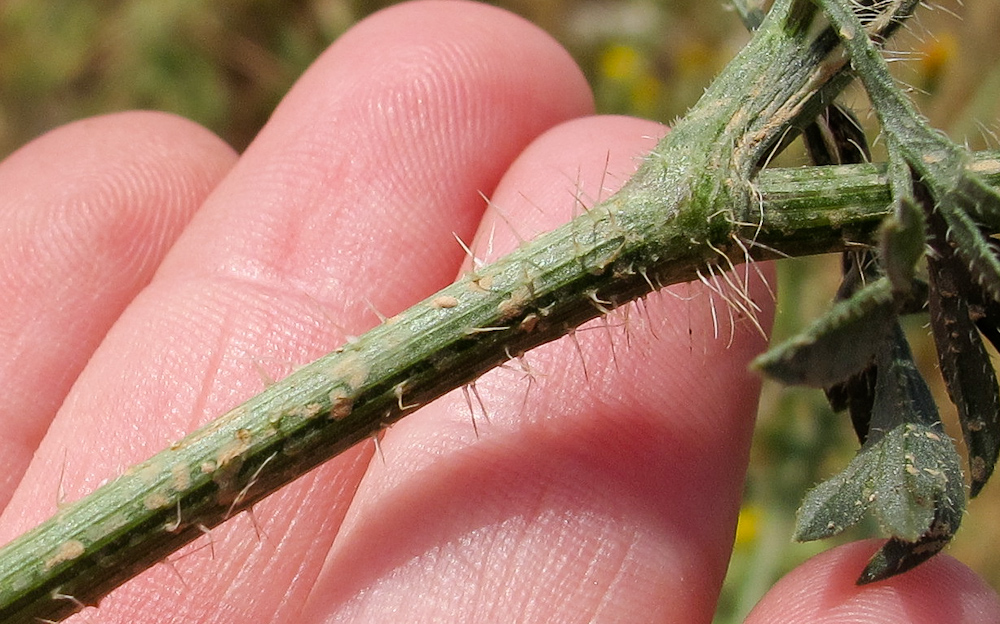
462 40
402 125
88 210
427 83
824 590
122 137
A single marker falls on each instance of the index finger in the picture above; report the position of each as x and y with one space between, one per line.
347 201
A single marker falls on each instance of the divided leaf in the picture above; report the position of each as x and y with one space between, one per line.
917 476
907 472
837 503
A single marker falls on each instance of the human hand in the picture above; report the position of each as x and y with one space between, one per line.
604 485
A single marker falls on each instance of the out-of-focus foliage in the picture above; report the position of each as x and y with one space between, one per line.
225 64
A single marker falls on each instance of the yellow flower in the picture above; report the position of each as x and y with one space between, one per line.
748 525
620 62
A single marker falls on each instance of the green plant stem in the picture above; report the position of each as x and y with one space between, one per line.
698 201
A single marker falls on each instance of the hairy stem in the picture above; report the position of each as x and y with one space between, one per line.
700 199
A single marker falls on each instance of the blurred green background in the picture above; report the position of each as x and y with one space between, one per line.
226 63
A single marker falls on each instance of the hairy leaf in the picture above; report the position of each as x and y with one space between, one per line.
965 364
837 503
970 244
907 472
980 199
856 394
902 244
839 344
897 555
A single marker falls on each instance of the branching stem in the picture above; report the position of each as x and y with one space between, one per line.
700 194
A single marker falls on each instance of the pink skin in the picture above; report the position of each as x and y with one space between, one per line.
823 591
605 483
87 213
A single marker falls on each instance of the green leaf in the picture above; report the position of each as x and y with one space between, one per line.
978 198
907 472
838 503
906 477
919 472
970 244
897 555
902 243
965 364
837 137
837 345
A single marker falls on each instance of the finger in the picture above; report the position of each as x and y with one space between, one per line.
823 590
87 212
605 482
345 202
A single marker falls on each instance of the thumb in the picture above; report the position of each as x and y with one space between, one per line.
823 590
